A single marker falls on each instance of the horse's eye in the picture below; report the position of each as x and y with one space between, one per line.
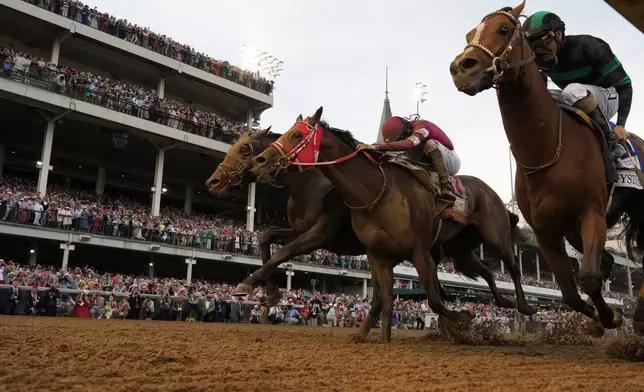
244 149
503 31
297 135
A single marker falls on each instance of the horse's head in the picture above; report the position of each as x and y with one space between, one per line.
300 143
234 170
494 46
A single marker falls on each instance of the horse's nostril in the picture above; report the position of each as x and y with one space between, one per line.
261 160
468 63
214 182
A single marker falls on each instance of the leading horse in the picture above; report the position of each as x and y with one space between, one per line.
319 219
560 179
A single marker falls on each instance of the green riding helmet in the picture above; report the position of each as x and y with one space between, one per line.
541 24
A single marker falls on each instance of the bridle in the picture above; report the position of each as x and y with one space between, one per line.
238 173
500 63
313 139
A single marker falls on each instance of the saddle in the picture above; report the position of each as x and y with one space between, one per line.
607 153
430 181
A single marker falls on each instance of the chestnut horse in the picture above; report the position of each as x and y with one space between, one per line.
319 220
560 179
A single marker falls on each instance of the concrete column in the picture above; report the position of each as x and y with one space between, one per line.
289 277
190 263
187 202
45 158
629 279
249 119
157 190
151 267
517 250
250 209
55 51
553 278
538 268
502 267
101 174
607 286
481 252
364 288
66 247
2 156
161 88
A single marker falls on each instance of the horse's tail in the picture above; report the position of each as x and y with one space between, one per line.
633 232
518 235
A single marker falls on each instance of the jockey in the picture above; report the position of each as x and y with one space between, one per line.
420 139
591 77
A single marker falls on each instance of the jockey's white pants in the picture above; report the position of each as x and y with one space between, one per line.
452 160
607 99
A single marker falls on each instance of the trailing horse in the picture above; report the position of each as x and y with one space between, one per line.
394 212
560 179
317 216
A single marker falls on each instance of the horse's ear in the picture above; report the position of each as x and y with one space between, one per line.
299 118
268 130
518 9
315 118
261 133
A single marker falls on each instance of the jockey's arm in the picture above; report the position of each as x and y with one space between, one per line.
602 58
417 137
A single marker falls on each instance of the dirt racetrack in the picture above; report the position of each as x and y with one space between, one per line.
63 354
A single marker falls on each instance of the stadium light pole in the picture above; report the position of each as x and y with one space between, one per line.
261 61
420 95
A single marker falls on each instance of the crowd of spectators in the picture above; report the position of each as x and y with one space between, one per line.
127 298
125 98
80 210
159 43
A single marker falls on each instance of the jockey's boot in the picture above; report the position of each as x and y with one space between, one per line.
447 190
608 142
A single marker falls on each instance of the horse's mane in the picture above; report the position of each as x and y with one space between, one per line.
272 136
345 136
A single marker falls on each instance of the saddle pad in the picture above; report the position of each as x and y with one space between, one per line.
628 179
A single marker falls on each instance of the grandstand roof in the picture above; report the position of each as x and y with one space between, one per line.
633 11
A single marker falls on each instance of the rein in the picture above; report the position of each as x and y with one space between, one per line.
500 64
290 158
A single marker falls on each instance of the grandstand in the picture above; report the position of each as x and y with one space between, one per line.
138 124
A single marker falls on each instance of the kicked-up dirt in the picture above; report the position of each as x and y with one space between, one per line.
64 354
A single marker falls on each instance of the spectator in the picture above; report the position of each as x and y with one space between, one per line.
13 299
32 302
147 309
165 307
331 316
81 307
292 317
98 306
210 309
254 315
275 315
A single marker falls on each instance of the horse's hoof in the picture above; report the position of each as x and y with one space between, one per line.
595 329
527 310
466 316
638 327
243 289
359 337
618 317
507 303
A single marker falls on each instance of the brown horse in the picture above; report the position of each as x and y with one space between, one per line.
560 179
385 221
314 219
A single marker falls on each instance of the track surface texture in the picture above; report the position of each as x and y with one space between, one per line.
64 354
